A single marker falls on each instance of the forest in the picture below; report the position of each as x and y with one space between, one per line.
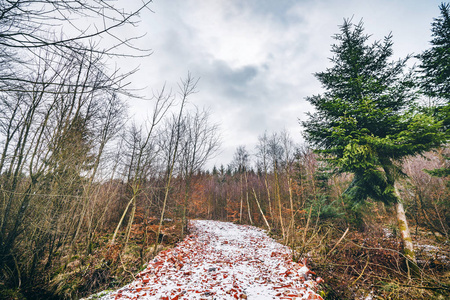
88 195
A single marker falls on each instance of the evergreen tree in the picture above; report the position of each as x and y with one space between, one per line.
435 62
435 73
364 122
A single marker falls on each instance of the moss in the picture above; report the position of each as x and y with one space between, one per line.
409 253
401 225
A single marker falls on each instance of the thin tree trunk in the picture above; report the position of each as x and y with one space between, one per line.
248 207
307 226
248 202
130 222
291 202
277 188
260 210
242 203
268 197
121 220
161 219
187 191
187 87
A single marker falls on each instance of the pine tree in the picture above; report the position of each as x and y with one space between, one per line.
364 122
434 71
435 62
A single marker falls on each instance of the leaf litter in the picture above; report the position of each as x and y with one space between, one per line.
221 260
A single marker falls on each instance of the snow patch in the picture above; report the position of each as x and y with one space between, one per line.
223 261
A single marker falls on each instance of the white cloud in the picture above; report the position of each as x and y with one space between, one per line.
255 59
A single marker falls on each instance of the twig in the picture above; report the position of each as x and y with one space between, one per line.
360 275
124 268
340 240
444 287
307 225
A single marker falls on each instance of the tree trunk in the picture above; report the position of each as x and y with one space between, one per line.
268 197
280 207
242 203
291 202
121 220
187 191
260 210
408 248
248 202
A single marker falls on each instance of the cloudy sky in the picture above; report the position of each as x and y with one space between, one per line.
256 58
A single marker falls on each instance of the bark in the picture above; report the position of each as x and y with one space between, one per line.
121 221
291 202
262 213
280 207
246 195
241 203
187 192
268 195
408 248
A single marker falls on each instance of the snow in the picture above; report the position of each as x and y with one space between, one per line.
426 253
222 260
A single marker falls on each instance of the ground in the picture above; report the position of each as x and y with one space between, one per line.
220 260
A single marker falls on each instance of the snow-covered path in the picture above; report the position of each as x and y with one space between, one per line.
222 261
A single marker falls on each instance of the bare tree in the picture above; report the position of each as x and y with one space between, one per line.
241 163
276 153
263 161
187 87
141 154
48 151
200 140
289 158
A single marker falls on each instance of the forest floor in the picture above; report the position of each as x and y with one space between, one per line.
370 264
220 260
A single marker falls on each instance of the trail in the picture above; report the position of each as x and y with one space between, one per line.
222 261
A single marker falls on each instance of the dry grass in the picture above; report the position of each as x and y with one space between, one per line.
360 265
106 266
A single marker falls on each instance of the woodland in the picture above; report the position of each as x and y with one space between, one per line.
88 195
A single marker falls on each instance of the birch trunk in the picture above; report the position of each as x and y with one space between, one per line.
408 248
405 234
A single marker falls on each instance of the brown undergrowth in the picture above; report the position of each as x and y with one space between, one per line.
104 266
369 264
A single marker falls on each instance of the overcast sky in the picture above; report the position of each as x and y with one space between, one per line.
256 58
